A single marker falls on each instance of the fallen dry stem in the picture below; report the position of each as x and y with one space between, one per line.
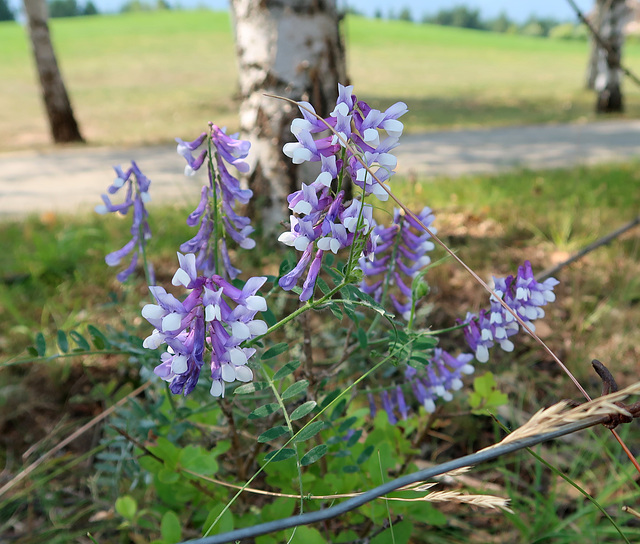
29 469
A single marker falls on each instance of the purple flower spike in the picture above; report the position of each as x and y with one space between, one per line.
521 293
321 216
387 406
216 317
399 255
218 201
436 381
137 195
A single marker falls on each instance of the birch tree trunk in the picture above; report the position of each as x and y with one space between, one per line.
290 48
613 15
592 66
54 94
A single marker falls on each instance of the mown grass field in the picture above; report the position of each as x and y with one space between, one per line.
147 77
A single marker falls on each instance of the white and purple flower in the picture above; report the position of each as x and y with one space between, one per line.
521 293
435 381
137 195
321 218
216 317
399 255
218 200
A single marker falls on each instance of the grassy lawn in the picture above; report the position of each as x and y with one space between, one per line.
53 277
494 222
147 77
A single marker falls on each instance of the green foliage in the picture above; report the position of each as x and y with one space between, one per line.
141 5
70 8
159 455
6 13
459 16
486 396
127 507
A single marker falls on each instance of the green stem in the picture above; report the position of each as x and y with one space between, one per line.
59 356
216 226
310 305
287 420
385 285
341 173
325 409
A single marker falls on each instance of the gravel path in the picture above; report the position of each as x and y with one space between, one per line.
71 180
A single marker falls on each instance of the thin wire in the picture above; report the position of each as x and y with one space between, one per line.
419 476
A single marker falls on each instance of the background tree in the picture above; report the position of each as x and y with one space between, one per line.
460 16
613 16
64 8
90 9
500 24
405 15
54 94
290 48
6 13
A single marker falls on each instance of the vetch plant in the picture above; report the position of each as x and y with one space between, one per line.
136 196
306 411
216 213
205 319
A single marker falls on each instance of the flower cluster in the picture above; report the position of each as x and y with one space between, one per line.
521 293
436 380
323 221
217 200
137 194
215 315
399 255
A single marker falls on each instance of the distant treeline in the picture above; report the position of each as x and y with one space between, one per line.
73 8
460 16
465 17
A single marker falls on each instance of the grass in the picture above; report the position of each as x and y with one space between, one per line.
53 277
147 77
494 222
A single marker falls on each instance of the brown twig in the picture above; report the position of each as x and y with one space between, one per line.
29 469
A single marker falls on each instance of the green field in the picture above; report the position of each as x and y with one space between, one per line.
148 77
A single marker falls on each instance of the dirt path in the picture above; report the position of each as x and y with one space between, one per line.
71 180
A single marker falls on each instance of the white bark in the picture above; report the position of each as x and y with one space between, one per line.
613 17
54 94
592 66
289 48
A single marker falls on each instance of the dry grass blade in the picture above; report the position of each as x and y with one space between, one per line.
556 416
22 475
631 511
483 501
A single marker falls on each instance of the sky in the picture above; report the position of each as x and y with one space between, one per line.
517 10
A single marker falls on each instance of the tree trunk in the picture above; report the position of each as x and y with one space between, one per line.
61 120
592 66
613 15
290 48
